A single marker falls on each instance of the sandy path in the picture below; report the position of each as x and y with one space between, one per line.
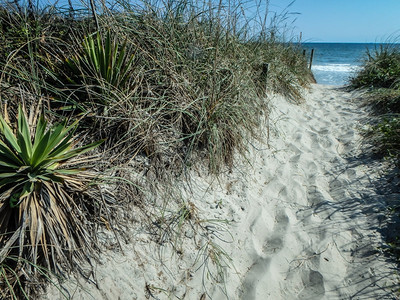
313 215
306 219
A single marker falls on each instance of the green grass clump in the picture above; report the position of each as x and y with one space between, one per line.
380 74
102 60
381 68
385 135
384 101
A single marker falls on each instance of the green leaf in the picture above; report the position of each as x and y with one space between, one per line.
9 165
27 189
51 139
9 135
51 177
14 180
24 136
70 154
107 57
40 131
40 149
6 175
8 156
69 171
14 199
63 146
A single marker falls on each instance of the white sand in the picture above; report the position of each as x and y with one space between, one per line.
306 221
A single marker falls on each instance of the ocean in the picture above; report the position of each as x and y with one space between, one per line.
335 63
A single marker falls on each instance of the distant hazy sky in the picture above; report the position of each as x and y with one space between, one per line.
344 20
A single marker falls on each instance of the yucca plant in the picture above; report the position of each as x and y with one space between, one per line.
40 218
103 60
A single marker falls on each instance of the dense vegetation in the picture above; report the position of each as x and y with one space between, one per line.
150 89
381 76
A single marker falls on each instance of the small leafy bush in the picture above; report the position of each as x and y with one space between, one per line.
381 68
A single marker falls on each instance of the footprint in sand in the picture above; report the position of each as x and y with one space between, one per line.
275 243
314 196
337 188
271 246
313 283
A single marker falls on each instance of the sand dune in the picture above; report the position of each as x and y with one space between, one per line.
306 219
314 226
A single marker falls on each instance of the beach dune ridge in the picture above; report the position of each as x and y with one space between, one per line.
305 219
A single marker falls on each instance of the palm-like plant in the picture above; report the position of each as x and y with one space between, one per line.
103 60
39 217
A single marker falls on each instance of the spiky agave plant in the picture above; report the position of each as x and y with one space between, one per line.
40 220
103 60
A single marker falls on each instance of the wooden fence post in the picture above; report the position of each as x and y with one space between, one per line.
265 74
311 57
265 67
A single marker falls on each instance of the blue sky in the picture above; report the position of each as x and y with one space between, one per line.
334 20
343 20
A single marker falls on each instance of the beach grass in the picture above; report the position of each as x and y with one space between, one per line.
381 68
380 76
169 86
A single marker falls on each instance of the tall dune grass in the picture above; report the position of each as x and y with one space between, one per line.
381 75
168 85
381 68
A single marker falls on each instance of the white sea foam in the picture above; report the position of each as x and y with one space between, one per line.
347 68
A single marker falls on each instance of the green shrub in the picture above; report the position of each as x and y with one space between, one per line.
381 68
380 73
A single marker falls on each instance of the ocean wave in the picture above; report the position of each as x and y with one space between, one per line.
347 68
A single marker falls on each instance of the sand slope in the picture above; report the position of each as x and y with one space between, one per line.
305 218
